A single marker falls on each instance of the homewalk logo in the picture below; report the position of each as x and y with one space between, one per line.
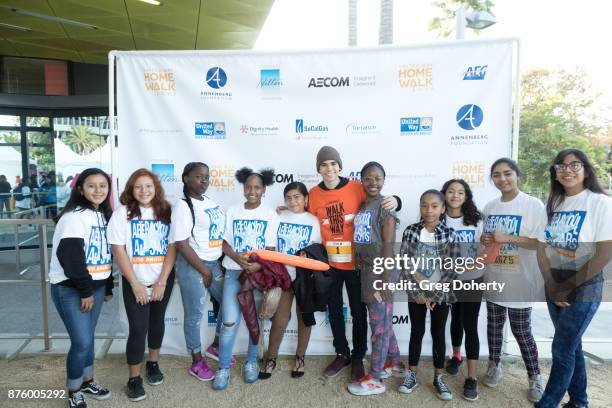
159 81
417 77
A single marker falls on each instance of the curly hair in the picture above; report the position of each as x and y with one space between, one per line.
266 175
471 215
161 207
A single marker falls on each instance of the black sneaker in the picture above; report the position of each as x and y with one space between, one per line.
76 400
154 375
452 367
92 389
135 390
442 390
470 389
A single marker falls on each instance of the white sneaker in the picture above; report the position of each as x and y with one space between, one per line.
390 370
493 375
366 385
535 388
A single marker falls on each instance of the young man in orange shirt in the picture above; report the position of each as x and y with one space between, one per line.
335 202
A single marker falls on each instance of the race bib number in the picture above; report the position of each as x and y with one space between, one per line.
339 251
512 260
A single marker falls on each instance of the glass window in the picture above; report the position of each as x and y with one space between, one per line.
31 76
10 137
37 121
40 139
9 120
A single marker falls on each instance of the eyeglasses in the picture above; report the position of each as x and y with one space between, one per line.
574 166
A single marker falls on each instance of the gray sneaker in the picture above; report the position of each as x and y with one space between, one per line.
250 372
535 388
442 390
409 384
494 374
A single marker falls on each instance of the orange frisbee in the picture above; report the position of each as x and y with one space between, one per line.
297 261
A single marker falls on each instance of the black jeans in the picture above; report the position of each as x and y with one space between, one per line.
438 316
464 317
146 321
358 313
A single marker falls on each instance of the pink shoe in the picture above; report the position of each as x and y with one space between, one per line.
201 371
213 352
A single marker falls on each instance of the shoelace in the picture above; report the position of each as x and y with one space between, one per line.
442 385
77 397
410 377
94 385
223 374
536 384
491 371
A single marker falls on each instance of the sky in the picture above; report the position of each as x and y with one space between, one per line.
559 33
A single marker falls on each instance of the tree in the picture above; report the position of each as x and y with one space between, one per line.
559 111
81 140
445 24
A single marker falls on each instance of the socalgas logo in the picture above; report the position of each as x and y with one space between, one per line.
469 118
215 80
209 130
357 128
257 130
159 81
473 172
416 125
329 82
475 73
307 131
416 77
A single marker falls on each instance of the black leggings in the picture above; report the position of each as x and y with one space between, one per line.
464 317
145 321
438 316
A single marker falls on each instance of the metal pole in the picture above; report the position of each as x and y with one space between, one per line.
517 103
17 253
112 120
42 240
460 23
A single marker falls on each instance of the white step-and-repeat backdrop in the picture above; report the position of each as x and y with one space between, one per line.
427 113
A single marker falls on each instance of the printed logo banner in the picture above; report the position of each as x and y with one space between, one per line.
427 114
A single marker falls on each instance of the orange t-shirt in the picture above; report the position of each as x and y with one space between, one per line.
336 210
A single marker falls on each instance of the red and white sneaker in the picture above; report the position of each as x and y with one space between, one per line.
391 370
366 385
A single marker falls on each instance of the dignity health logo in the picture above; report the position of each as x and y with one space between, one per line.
416 126
210 130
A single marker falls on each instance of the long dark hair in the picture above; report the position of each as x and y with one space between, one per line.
470 212
77 200
189 167
161 207
557 191
511 163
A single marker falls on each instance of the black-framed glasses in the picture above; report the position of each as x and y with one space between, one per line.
574 166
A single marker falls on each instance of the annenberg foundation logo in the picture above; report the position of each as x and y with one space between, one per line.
329 82
469 117
159 81
215 80
416 77
473 172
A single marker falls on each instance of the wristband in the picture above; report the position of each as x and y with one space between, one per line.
160 284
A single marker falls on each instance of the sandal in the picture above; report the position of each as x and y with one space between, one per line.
299 364
270 365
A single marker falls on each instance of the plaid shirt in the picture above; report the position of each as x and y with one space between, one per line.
446 247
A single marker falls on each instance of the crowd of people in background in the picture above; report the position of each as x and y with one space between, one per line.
564 245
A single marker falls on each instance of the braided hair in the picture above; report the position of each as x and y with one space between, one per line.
189 167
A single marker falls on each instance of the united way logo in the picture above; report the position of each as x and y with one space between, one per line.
216 78
416 126
469 117
210 130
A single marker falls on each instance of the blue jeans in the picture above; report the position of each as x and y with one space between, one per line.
230 313
568 372
81 327
193 294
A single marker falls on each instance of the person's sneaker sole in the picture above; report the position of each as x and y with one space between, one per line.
441 397
470 399
337 372
97 397
532 399
136 399
406 390
200 378
365 393
490 385
211 355
155 383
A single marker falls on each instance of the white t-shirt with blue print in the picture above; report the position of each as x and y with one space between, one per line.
146 242
247 230
468 237
295 232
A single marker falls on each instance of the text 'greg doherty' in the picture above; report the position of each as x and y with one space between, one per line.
406 285
412 264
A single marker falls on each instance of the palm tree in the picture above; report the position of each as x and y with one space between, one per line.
385 32
81 140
